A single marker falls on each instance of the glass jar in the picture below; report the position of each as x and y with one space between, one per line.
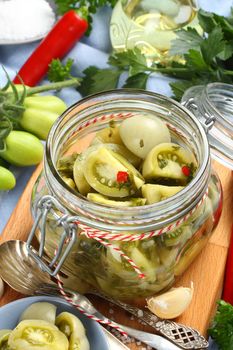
150 25
128 253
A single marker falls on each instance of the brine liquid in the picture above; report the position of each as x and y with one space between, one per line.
149 24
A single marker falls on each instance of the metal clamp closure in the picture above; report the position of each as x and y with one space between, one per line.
207 121
45 206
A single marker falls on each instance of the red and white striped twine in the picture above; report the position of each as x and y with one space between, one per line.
106 321
104 237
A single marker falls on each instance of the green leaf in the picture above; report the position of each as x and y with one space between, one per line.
195 60
186 40
213 45
227 52
132 59
59 71
97 80
138 81
206 20
179 87
5 129
221 329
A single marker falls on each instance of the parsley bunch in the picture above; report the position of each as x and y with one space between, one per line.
90 6
222 328
206 58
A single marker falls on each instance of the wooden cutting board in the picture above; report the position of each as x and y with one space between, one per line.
207 271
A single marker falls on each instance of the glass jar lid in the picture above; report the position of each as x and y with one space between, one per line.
212 104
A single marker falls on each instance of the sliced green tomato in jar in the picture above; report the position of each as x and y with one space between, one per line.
165 163
73 328
101 169
108 135
178 236
141 133
99 198
79 178
37 335
157 193
40 311
4 336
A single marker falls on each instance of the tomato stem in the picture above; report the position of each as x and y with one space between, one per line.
54 86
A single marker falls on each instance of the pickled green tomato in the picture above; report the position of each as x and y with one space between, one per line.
40 311
37 335
101 168
142 132
166 160
157 193
73 328
78 170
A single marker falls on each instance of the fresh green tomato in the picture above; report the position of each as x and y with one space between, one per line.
73 328
99 198
142 132
40 311
4 335
157 193
22 149
7 179
167 162
40 114
101 169
37 335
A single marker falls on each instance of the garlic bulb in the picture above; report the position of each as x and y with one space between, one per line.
1 287
172 303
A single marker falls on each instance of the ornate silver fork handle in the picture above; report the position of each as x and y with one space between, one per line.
153 340
183 336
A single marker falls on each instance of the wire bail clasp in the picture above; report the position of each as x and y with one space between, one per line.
48 205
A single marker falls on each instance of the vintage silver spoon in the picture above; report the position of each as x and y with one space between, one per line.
22 273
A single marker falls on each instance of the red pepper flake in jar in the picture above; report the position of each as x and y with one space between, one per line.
122 176
186 170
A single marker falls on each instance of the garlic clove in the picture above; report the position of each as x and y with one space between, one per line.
172 303
1 287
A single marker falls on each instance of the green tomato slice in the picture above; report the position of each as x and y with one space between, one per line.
37 335
164 163
101 168
73 328
40 311
99 198
157 193
79 178
4 336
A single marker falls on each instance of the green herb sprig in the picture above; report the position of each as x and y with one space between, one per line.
222 326
205 58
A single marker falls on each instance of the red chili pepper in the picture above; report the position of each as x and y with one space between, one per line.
228 281
56 44
122 176
185 170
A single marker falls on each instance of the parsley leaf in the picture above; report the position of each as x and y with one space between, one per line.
58 71
137 81
97 80
133 60
185 41
213 45
222 327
